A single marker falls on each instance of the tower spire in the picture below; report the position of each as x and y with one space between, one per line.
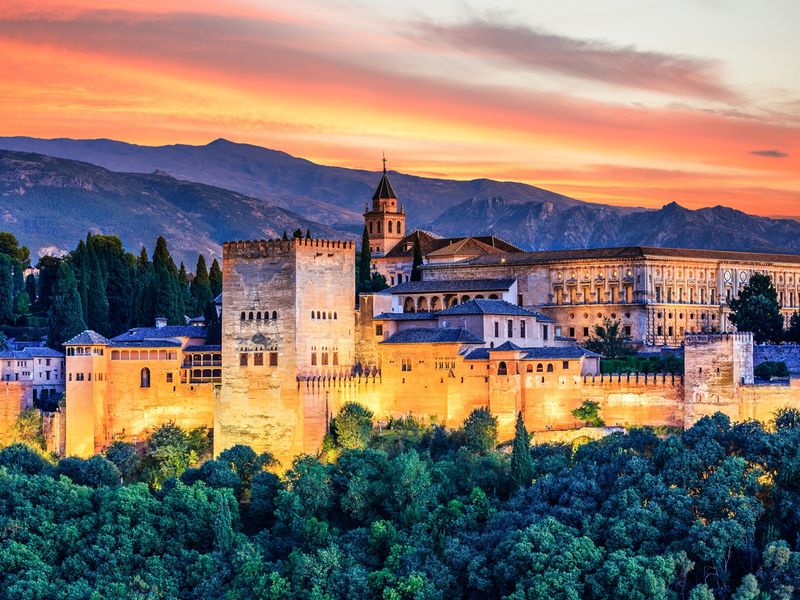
384 162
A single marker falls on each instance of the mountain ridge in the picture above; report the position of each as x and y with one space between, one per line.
531 217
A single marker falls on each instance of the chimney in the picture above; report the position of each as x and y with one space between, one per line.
161 322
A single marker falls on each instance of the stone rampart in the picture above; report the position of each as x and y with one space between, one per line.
15 396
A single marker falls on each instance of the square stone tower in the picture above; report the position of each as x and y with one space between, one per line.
287 311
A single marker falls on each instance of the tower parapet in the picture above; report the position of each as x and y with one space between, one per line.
287 311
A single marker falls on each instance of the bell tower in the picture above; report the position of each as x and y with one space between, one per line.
386 222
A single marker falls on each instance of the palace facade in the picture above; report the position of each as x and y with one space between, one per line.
488 326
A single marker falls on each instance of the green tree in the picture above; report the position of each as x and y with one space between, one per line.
65 319
6 290
480 430
97 300
169 297
363 279
30 287
308 234
352 426
756 309
22 304
48 274
9 245
298 234
215 278
200 288
521 460
609 339
124 456
416 266
27 429
589 413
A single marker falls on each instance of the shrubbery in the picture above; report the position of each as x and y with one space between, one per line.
712 512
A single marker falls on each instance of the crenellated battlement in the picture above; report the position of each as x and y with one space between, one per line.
697 339
264 248
635 379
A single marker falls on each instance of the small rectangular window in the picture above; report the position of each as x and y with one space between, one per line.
273 359
324 358
522 332
627 330
585 332
378 329
659 330
258 359
565 364
496 329
243 359
313 359
545 332
572 332
510 328
169 377
335 358
519 299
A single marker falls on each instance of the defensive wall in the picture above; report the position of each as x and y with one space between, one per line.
788 353
14 398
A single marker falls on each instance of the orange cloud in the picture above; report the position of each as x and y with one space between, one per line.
157 74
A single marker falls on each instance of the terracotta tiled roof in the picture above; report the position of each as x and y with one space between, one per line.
429 243
452 285
87 338
434 335
632 253
481 306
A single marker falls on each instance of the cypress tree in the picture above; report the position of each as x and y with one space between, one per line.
6 289
308 234
214 332
144 292
97 300
200 288
298 234
22 304
364 264
521 461
30 287
18 279
215 278
79 261
48 273
416 272
169 299
185 292
285 237
66 316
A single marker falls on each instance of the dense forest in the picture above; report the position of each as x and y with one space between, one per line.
411 511
101 286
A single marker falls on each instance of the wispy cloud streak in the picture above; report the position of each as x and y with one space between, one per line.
536 50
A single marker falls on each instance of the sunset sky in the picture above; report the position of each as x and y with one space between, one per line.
636 102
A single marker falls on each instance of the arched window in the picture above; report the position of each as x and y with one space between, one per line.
540 368
379 226
244 316
390 227
274 314
324 315
399 229
330 315
318 315
258 316
250 316
144 378
529 368
335 316
502 369
370 228
550 368
312 314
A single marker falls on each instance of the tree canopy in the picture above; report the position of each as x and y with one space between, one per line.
756 309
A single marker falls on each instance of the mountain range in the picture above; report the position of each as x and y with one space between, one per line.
199 196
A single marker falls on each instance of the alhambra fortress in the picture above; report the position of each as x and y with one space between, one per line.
489 325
